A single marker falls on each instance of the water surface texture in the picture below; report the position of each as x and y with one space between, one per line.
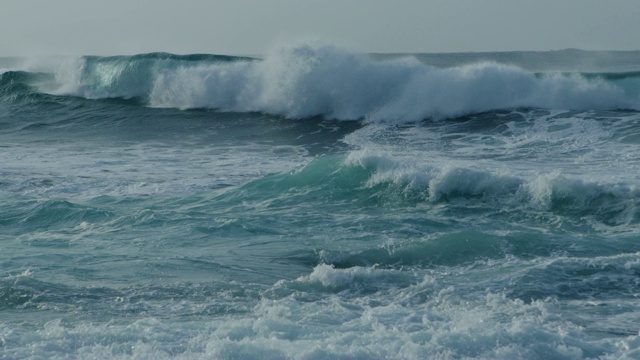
319 203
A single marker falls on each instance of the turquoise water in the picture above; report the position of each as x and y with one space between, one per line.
321 204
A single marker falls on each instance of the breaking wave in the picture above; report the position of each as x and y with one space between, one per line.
308 80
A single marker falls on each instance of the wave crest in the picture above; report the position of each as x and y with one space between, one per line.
307 80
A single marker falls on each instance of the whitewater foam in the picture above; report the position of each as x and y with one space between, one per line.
304 81
307 80
606 201
419 319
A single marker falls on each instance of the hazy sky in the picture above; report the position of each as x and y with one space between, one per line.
103 27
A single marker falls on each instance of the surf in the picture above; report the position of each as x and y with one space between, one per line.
135 226
315 80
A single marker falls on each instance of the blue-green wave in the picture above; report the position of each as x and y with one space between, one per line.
307 81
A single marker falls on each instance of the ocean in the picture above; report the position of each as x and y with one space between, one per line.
320 203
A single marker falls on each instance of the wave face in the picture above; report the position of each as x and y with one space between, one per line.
304 81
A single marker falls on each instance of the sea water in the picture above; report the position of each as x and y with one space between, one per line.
320 203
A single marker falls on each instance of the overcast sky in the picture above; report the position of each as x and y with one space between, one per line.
109 27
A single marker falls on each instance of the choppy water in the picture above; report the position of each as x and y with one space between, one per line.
321 204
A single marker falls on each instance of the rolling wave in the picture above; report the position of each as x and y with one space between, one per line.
305 80
376 182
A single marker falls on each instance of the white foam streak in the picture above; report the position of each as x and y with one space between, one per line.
331 277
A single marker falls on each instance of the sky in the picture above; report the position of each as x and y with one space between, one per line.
252 27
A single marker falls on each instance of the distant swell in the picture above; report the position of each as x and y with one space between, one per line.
307 80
